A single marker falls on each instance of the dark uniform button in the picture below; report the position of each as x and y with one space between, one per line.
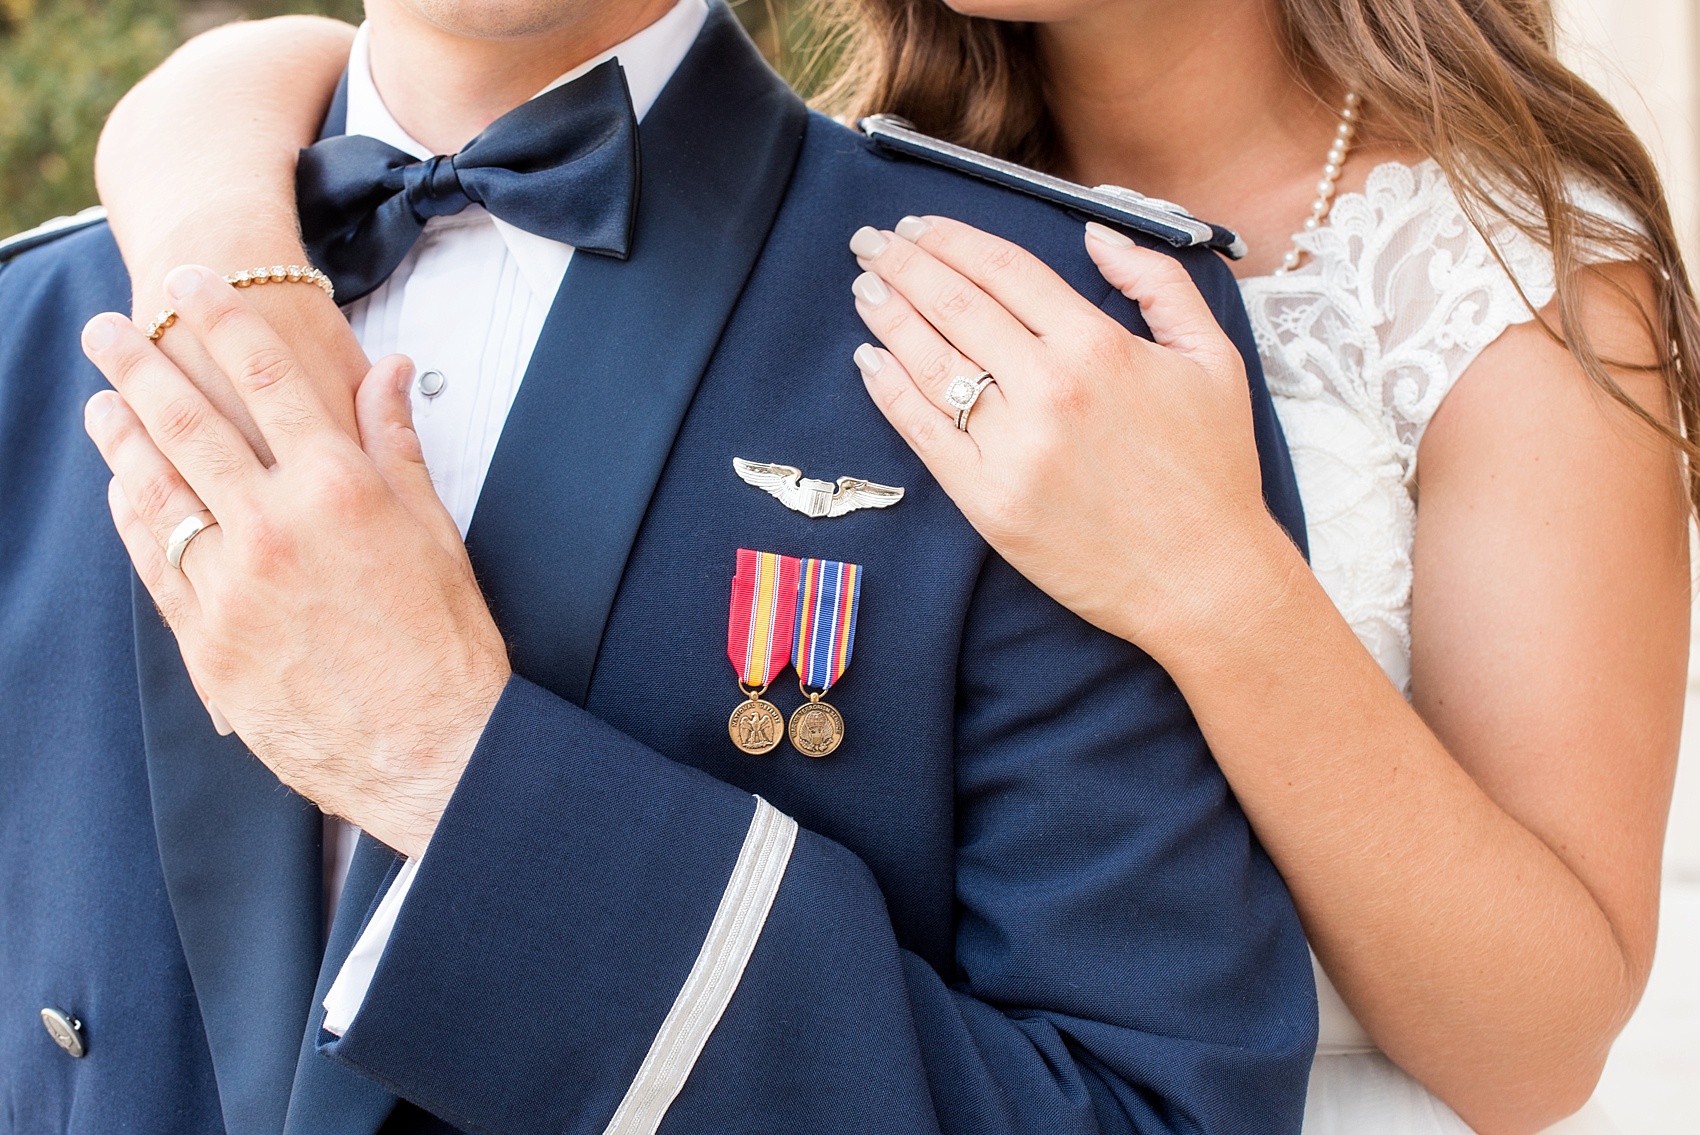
66 1030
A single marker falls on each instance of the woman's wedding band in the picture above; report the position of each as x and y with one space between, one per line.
962 393
184 534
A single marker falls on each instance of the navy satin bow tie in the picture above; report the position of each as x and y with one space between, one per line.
563 166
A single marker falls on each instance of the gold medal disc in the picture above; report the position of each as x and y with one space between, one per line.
756 726
816 729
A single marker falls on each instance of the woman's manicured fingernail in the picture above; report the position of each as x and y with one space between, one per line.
870 289
100 332
911 228
868 360
404 377
1104 234
220 722
868 242
182 282
99 408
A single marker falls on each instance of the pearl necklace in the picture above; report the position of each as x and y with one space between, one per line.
1330 174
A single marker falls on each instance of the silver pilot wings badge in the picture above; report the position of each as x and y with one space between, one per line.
815 498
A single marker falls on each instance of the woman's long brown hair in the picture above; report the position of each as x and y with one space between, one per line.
1475 84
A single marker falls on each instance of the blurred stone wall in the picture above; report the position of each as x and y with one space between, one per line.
1644 55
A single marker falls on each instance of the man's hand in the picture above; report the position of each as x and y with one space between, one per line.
331 614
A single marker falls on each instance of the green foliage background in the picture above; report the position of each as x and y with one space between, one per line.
64 63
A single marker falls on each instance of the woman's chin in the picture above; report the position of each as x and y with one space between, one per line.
1028 11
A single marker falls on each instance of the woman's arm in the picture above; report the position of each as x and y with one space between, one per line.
1479 871
197 165
1479 874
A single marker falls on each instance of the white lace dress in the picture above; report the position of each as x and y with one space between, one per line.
1360 344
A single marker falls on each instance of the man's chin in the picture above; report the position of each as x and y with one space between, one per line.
506 19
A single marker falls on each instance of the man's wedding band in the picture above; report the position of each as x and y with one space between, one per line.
962 393
184 534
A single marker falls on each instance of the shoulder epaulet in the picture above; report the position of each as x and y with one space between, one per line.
1152 216
52 230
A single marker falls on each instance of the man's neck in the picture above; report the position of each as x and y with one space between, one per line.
443 87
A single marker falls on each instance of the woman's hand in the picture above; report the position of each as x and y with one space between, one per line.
1119 475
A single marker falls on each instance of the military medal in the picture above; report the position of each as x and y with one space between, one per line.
827 595
758 641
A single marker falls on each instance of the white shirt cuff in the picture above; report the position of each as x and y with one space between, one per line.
348 992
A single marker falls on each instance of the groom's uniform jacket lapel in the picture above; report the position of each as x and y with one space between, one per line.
613 475
621 356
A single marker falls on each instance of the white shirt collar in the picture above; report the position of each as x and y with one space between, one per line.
648 58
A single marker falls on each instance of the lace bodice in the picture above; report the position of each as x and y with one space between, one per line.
1360 344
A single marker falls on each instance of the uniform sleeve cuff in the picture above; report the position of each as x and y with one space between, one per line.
348 992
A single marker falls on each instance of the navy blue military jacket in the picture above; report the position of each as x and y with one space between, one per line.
1019 898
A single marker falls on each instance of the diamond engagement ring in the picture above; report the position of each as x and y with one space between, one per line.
184 534
962 393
